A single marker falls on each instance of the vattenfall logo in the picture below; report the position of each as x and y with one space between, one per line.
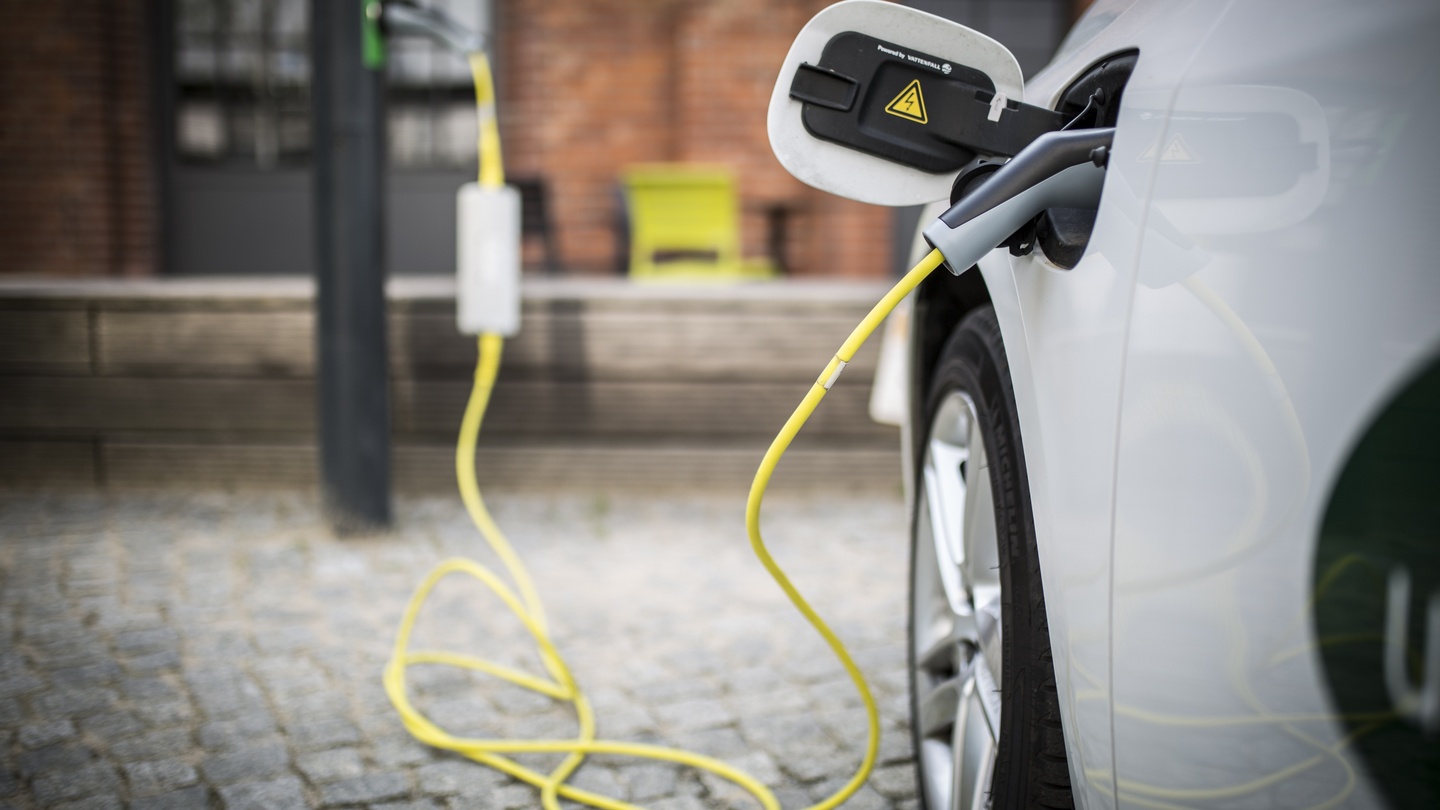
919 60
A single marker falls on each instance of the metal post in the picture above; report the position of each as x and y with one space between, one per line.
353 403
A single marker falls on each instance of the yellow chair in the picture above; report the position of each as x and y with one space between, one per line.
685 224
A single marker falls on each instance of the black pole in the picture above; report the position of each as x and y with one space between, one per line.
352 397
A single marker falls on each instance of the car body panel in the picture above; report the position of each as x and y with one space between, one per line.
1065 335
1258 353
1193 329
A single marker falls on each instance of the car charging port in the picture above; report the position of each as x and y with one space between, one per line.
1060 169
1062 234
1093 101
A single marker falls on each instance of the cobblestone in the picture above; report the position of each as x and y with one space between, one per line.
322 733
183 799
331 766
249 763
155 778
370 787
279 794
648 782
895 781
154 745
96 674
164 712
695 714
397 752
95 778
226 734
92 803
75 702
19 684
35 735
53 759
177 650
451 778
162 661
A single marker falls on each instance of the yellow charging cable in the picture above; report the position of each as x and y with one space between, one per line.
560 684
525 604
524 601
492 165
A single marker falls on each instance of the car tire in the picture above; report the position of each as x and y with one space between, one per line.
976 595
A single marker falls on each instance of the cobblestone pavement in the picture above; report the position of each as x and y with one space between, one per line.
184 650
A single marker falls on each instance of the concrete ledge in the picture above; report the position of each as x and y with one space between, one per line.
437 288
420 468
209 383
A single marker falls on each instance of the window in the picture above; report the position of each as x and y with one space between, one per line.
242 76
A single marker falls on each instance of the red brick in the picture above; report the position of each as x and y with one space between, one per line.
77 186
589 88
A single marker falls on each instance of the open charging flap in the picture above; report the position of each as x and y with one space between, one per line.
885 104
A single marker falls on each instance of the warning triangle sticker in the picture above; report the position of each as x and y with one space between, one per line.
910 104
1178 151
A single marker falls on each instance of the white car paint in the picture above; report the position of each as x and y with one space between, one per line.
1186 407
1065 336
1247 383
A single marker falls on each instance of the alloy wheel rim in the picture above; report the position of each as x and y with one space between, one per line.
955 614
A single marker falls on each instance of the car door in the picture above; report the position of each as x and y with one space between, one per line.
1066 335
1285 291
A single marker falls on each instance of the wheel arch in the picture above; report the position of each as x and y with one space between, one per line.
941 302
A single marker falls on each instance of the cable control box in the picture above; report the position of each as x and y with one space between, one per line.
487 258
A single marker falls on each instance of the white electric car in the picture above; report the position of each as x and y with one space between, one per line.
1174 448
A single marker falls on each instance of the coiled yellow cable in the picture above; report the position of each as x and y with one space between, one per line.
526 606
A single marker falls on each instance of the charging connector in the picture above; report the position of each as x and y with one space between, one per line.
1059 169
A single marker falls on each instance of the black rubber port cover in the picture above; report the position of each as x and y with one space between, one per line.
910 107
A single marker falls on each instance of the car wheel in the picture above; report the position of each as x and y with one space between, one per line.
984 709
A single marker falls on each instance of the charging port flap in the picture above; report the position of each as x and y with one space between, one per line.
885 104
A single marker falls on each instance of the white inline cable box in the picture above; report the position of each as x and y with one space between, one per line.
487 259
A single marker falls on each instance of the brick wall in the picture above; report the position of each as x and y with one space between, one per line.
76 180
588 88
